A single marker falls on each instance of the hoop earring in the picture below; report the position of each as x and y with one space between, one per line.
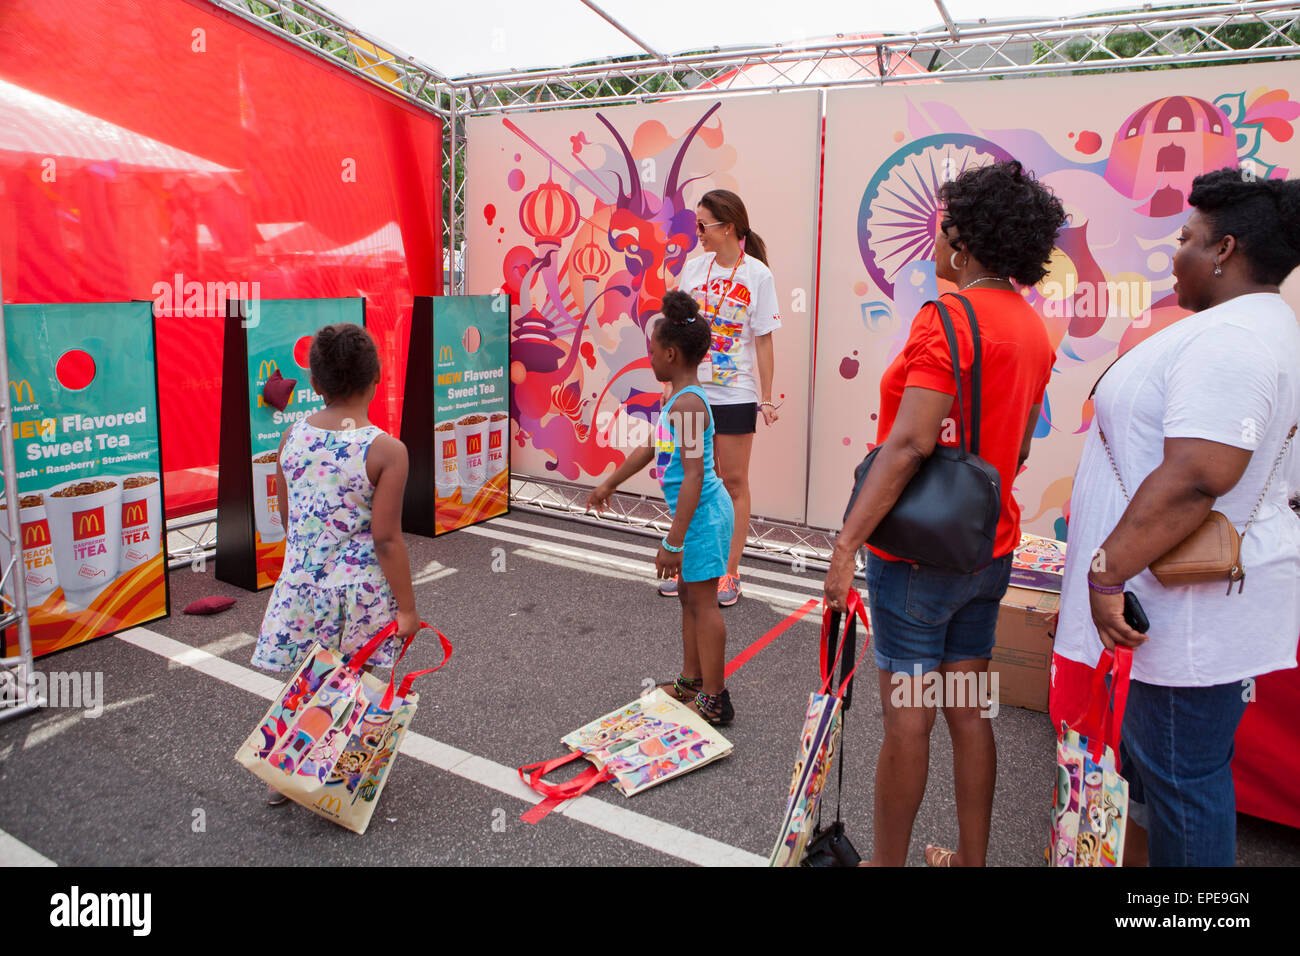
952 261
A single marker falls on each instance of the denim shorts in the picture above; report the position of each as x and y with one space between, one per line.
922 617
1175 751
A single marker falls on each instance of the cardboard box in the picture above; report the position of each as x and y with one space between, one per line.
1022 652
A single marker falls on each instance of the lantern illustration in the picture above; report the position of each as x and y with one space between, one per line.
549 214
592 262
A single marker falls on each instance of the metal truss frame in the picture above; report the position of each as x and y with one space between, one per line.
1139 40
190 541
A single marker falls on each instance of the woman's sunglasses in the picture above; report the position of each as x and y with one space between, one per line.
701 226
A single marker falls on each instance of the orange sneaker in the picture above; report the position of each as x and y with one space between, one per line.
728 590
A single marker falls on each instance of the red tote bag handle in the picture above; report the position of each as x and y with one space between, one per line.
557 793
853 606
409 679
362 655
1104 716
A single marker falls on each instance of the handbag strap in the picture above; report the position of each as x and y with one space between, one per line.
951 334
1277 463
976 365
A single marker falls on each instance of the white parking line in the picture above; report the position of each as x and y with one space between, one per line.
618 821
610 565
811 580
14 852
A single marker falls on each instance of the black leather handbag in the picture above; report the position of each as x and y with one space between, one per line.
947 516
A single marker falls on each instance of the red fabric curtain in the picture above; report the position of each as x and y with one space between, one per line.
173 139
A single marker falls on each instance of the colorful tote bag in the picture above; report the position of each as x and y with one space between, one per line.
639 746
818 741
329 739
1090 803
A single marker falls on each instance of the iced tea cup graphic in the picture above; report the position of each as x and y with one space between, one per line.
471 443
498 435
85 519
141 520
38 569
266 499
446 474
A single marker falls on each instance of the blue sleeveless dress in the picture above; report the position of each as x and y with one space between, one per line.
708 539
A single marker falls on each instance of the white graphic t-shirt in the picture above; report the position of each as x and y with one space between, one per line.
738 308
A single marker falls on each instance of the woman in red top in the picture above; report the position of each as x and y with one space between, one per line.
932 629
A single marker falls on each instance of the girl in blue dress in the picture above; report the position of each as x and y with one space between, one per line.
697 544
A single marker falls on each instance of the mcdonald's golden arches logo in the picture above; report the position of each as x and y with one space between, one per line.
266 368
331 805
36 534
88 524
135 513
18 392
445 354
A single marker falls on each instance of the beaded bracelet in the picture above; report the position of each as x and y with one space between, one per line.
1103 589
669 547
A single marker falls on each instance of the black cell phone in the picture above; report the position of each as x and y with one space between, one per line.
1134 616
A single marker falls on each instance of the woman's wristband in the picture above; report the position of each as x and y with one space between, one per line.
1103 589
669 547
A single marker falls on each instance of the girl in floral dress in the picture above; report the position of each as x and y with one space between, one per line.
341 479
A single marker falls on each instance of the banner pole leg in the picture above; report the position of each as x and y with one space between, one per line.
17 613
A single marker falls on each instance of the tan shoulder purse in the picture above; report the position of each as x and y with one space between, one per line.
1213 551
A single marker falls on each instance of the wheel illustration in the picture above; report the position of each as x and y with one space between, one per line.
900 207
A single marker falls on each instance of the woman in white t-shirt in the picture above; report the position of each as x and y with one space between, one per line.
737 295
1196 418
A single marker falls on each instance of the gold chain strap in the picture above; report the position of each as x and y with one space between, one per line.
1280 455
1254 511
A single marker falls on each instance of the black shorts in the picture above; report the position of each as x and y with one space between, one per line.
740 418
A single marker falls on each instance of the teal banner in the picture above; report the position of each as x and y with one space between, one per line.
471 399
279 333
83 387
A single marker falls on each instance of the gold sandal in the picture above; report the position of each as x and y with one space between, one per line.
938 856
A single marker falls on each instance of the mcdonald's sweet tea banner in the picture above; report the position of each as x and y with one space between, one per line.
586 218
1120 151
279 334
471 408
85 411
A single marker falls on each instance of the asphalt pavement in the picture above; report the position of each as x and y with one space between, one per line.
554 623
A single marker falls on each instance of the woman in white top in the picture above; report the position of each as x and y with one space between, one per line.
1197 418
737 295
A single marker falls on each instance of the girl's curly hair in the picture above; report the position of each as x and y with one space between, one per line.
343 359
683 327
1005 218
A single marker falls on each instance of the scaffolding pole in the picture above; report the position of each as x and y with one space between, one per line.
16 673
